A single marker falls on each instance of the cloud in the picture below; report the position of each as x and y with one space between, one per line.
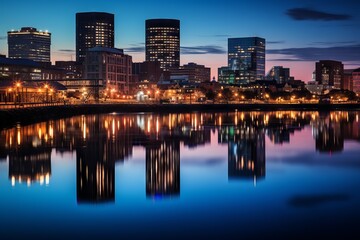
222 35
135 49
275 42
208 49
202 50
308 201
301 14
66 50
3 38
340 53
333 43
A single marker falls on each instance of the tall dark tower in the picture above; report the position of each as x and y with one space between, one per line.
163 42
93 29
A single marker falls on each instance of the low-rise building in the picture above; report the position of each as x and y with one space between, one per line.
111 66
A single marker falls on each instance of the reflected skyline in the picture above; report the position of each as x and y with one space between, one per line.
102 141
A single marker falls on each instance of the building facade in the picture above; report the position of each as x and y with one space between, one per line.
347 83
111 66
93 29
149 71
196 73
329 73
246 57
279 74
72 68
163 42
29 43
26 70
356 80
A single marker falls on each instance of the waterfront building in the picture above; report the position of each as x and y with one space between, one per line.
347 83
246 60
110 66
196 73
163 42
149 71
29 43
330 73
72 68
25 70
279 74
356 80
93 29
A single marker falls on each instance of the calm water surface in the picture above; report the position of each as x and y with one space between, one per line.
238 175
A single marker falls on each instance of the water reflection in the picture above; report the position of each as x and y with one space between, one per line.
163 168
101 141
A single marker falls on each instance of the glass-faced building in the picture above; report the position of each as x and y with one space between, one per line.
93 29
163 42
29 43
246 56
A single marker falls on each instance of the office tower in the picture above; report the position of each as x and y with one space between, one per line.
246 57
93 29
329 73
279 74
163 42
111 66
29 43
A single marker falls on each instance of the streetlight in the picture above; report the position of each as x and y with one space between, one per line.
8 91
51 94
18 97
46 86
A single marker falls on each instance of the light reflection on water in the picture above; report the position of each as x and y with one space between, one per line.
208 173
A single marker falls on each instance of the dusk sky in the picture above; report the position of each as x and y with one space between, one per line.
298 32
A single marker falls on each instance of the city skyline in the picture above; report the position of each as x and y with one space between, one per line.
298 33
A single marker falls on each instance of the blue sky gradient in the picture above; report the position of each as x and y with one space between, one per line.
291 28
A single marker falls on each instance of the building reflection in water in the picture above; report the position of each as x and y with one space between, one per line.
328 133
246 154
95 167
101 141
29 151
163 169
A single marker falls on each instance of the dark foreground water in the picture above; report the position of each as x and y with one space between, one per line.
239 175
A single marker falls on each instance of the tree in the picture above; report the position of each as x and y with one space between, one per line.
210 95
227 94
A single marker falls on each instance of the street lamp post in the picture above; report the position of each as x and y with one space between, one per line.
18 97
46 92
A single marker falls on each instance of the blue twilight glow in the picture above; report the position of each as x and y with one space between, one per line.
298 32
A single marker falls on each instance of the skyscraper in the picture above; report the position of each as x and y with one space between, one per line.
29 43
246 56
93 29
163 42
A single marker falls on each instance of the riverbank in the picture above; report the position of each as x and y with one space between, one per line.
9 117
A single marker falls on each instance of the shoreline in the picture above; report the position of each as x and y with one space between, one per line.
10 117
